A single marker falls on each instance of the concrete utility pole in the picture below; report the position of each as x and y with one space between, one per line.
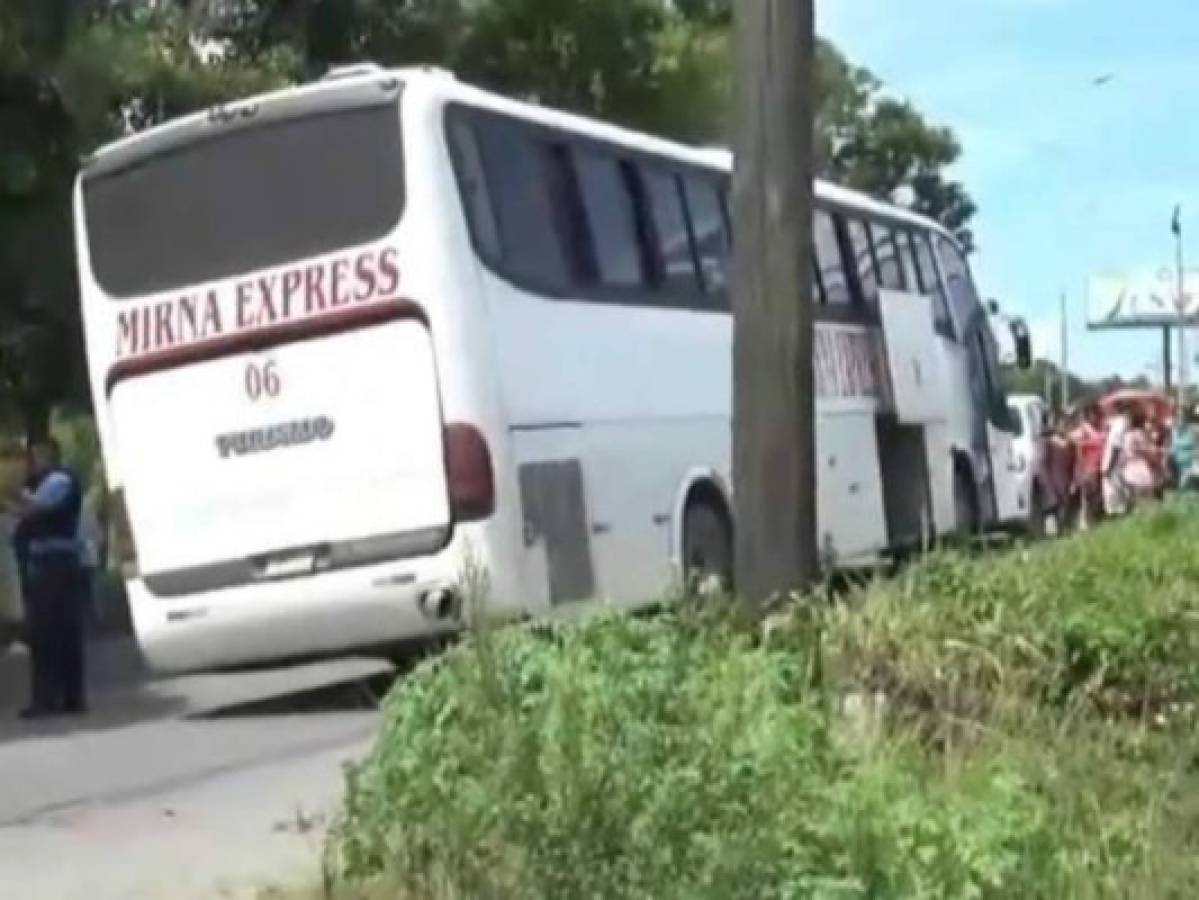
774 466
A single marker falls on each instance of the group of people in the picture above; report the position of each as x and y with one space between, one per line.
1101 463
54 556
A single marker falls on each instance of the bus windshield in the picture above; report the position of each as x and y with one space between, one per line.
247 199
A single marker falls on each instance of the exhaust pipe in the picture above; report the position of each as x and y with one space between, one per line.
440 604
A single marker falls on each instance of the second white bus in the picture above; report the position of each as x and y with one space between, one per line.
349 340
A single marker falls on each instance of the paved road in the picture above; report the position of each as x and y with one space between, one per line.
153 797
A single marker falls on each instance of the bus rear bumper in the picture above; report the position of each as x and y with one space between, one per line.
323 615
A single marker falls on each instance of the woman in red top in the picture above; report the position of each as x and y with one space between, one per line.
1088 440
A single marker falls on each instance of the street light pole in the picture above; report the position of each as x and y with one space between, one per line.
1065 373
1183 367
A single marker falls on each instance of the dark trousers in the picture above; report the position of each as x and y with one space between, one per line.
55 613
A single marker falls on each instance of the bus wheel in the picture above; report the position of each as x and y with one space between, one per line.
965 505
707 550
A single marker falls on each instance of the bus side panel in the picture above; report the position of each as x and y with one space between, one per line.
451 289
99 338
648 391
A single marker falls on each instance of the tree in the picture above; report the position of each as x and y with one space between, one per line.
73 75
879 144
773 398
659 65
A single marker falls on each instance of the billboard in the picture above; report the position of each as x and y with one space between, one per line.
1141 300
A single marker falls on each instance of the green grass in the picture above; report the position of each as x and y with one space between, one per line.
1015 726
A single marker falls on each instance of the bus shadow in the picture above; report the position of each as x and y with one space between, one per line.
109 711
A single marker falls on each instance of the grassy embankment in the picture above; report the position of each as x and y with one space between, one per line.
1014 726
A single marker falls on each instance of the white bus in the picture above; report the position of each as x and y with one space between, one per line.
351 339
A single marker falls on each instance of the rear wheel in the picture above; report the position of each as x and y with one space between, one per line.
707 550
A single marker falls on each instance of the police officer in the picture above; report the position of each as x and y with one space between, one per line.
54 610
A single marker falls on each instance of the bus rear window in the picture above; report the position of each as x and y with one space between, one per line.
248 199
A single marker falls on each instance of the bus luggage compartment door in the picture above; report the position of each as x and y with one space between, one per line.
849 505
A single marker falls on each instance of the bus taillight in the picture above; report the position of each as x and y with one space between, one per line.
124 549
469 473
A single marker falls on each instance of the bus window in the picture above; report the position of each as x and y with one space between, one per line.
997 405
472 184
907 256
533 251
890 272
829 264
711 235
863 261
569 214
818 296
930 284
962 297
726 206
610 218
670 235
247 199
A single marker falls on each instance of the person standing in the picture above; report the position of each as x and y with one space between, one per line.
1060 456
1115 495
50 521
1088 438
1141 459
1182 449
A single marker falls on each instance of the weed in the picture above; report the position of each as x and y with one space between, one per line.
1016 726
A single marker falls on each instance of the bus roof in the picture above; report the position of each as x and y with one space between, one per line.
350 83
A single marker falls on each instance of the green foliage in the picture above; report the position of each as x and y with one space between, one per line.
72 76
1033 739
879 144
652 64
1106 620
653 759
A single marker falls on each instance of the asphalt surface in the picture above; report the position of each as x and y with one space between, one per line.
207 786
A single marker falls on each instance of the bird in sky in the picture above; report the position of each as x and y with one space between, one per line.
1101 80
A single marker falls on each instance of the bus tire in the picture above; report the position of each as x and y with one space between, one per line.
965 504
707 548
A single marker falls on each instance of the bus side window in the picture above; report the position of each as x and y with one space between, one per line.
670 235
711 235
963 299
996 395
608 208
819 298
472 184
890 272
726 205
533 252
830 265
907 257
569 212
930 284
864 266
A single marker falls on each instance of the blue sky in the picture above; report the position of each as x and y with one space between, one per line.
1070 178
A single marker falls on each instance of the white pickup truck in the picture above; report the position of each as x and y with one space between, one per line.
1030 417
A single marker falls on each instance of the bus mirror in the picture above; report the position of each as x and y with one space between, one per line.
1023 341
